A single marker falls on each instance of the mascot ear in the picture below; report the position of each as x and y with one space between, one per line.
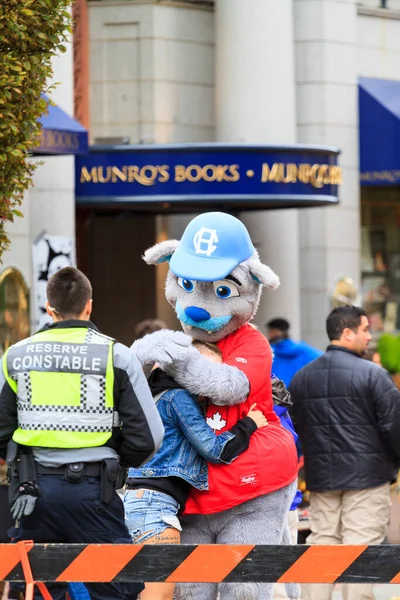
161 252
261 273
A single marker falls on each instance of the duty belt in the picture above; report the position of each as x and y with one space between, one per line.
89 469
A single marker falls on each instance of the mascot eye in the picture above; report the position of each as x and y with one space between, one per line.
225 289
187 284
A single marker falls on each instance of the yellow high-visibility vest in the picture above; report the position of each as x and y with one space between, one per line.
64 381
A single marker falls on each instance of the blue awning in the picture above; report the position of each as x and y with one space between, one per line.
61 134
379 113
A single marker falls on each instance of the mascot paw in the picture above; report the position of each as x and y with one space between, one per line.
163 347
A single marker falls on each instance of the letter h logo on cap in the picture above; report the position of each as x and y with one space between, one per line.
205 245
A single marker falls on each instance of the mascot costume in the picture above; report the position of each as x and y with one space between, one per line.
214 283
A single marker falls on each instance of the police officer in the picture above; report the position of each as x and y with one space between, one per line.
78 410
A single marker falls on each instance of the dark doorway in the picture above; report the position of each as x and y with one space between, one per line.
110 245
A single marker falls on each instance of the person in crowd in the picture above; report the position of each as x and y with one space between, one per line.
347 414
374 356
148 326
75 411
289 356
158 491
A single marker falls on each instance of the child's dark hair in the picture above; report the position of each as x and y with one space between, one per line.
211 347
148 326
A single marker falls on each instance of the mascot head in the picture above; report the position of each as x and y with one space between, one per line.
215 275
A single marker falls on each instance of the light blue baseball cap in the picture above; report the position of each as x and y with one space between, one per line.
212 245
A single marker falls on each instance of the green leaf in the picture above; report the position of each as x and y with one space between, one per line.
31 33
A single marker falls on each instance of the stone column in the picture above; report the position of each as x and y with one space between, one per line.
255 103
327 113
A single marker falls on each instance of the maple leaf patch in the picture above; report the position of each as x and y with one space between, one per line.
216 422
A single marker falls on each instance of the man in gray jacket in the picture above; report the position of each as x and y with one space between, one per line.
347 414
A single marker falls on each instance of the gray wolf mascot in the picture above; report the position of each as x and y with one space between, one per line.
214 283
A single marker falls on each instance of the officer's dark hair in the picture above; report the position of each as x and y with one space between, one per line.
68 291
280 324
341 318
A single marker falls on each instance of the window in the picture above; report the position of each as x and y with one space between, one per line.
380 256
14 308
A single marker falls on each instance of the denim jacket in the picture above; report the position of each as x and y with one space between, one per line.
189 443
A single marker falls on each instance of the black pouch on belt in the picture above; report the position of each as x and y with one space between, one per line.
12 472
109 477
26 467
21 473
122 477
74 472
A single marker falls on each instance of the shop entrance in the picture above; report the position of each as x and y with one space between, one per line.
124 192
110 244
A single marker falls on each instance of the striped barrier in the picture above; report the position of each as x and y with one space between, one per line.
30 562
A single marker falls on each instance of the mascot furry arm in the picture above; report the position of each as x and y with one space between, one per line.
176 356
212 319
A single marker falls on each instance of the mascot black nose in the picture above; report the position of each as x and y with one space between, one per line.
197 314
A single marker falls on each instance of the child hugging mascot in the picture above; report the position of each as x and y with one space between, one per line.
214 283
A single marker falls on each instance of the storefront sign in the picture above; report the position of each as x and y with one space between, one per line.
61 142
251 176
380 177
60 133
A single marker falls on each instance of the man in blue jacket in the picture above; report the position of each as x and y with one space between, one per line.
289 356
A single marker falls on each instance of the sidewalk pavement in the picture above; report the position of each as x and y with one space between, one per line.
382 592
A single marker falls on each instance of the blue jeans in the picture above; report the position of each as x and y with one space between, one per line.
74 513
149 513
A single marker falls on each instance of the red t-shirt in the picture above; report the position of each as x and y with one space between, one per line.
270 462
